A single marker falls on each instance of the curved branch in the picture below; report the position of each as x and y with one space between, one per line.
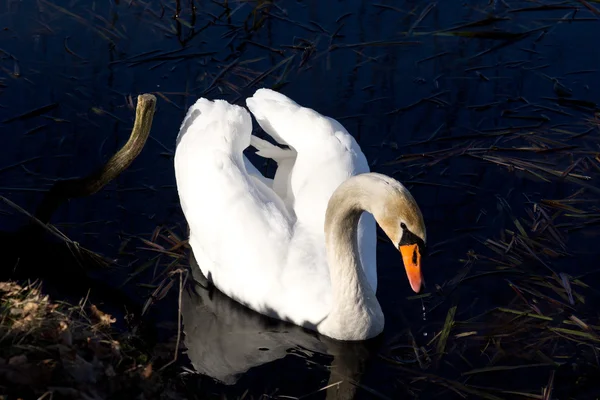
88 185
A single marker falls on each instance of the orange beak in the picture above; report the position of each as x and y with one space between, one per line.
412 263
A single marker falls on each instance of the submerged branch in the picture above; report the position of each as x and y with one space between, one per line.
88 185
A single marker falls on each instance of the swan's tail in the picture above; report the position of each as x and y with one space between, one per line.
268 150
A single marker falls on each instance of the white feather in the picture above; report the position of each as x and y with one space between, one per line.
262 241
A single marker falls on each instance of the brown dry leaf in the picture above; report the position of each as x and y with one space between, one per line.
101 317
64 334
29 307
16 311
10 288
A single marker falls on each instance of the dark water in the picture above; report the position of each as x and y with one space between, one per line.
398 83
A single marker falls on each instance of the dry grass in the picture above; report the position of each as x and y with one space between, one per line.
52 349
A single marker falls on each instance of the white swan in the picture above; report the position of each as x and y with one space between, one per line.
298 247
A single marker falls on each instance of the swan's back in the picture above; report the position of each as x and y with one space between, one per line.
259 250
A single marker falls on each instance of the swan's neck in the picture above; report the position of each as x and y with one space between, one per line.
355 313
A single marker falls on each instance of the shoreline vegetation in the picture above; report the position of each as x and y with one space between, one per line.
49 347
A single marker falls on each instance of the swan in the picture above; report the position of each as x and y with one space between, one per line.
299 247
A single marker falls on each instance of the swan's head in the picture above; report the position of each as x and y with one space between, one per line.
394 209
399 216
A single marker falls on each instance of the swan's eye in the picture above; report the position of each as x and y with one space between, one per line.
408 237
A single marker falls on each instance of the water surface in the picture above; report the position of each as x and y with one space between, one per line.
450 101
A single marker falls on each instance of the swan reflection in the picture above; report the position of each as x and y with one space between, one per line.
224 340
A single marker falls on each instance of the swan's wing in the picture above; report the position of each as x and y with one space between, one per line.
326 156
240 229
